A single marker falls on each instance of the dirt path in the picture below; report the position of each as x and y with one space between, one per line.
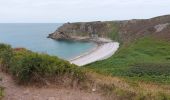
15 92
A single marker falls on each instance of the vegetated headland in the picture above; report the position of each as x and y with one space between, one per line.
139 70
144 50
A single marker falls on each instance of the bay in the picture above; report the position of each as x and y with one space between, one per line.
33 36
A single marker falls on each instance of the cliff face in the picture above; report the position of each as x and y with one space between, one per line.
87 30
120 30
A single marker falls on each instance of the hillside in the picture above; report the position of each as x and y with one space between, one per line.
138 71
123 31
144 43
143 58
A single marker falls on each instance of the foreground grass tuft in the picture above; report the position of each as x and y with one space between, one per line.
1 92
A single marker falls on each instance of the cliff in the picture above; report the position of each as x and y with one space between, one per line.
83 30
124 31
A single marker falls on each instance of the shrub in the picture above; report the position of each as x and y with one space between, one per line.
28 66
151 69
5 56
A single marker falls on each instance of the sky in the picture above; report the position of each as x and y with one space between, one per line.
61 11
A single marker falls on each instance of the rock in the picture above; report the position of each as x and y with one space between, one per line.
160 27
93 90
59 36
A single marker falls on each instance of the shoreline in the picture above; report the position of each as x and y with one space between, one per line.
86 53
98 53
84 39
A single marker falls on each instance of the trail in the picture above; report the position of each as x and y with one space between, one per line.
16 92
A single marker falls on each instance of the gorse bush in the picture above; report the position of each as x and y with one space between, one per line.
151 69
5 56
33 65
28 66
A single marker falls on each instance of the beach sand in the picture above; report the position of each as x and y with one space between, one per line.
102 52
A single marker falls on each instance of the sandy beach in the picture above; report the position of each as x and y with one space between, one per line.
102 52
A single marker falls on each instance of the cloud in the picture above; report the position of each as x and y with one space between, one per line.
79 10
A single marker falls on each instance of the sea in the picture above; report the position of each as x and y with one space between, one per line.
33 36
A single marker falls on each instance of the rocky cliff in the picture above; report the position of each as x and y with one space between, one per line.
127 30
86 30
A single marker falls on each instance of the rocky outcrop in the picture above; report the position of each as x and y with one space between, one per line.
80 30
125 31
161 27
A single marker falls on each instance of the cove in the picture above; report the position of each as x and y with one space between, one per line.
33 36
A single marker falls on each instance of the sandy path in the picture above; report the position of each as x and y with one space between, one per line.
15 92
102 52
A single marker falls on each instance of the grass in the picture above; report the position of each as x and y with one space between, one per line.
120 89
138 71
146 59
114 31
1 92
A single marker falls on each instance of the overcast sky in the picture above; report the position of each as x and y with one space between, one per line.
59 11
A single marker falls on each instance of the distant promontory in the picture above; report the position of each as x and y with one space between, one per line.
124 31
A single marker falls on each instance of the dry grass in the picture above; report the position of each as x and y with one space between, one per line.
121 89
155 88
1 92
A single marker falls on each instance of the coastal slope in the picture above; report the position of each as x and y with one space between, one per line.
122 31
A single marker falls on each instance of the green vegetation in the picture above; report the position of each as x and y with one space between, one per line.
114 32
5 56
29 67
1 92
145 59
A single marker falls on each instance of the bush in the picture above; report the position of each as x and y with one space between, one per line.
5 56
27 66
150 69
155 72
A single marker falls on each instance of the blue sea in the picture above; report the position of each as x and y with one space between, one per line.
34 37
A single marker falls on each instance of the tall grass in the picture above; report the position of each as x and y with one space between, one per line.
1 92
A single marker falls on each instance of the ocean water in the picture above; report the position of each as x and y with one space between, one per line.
34 37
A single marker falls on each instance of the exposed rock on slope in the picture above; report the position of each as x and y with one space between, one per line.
133 29
124 31
83 30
